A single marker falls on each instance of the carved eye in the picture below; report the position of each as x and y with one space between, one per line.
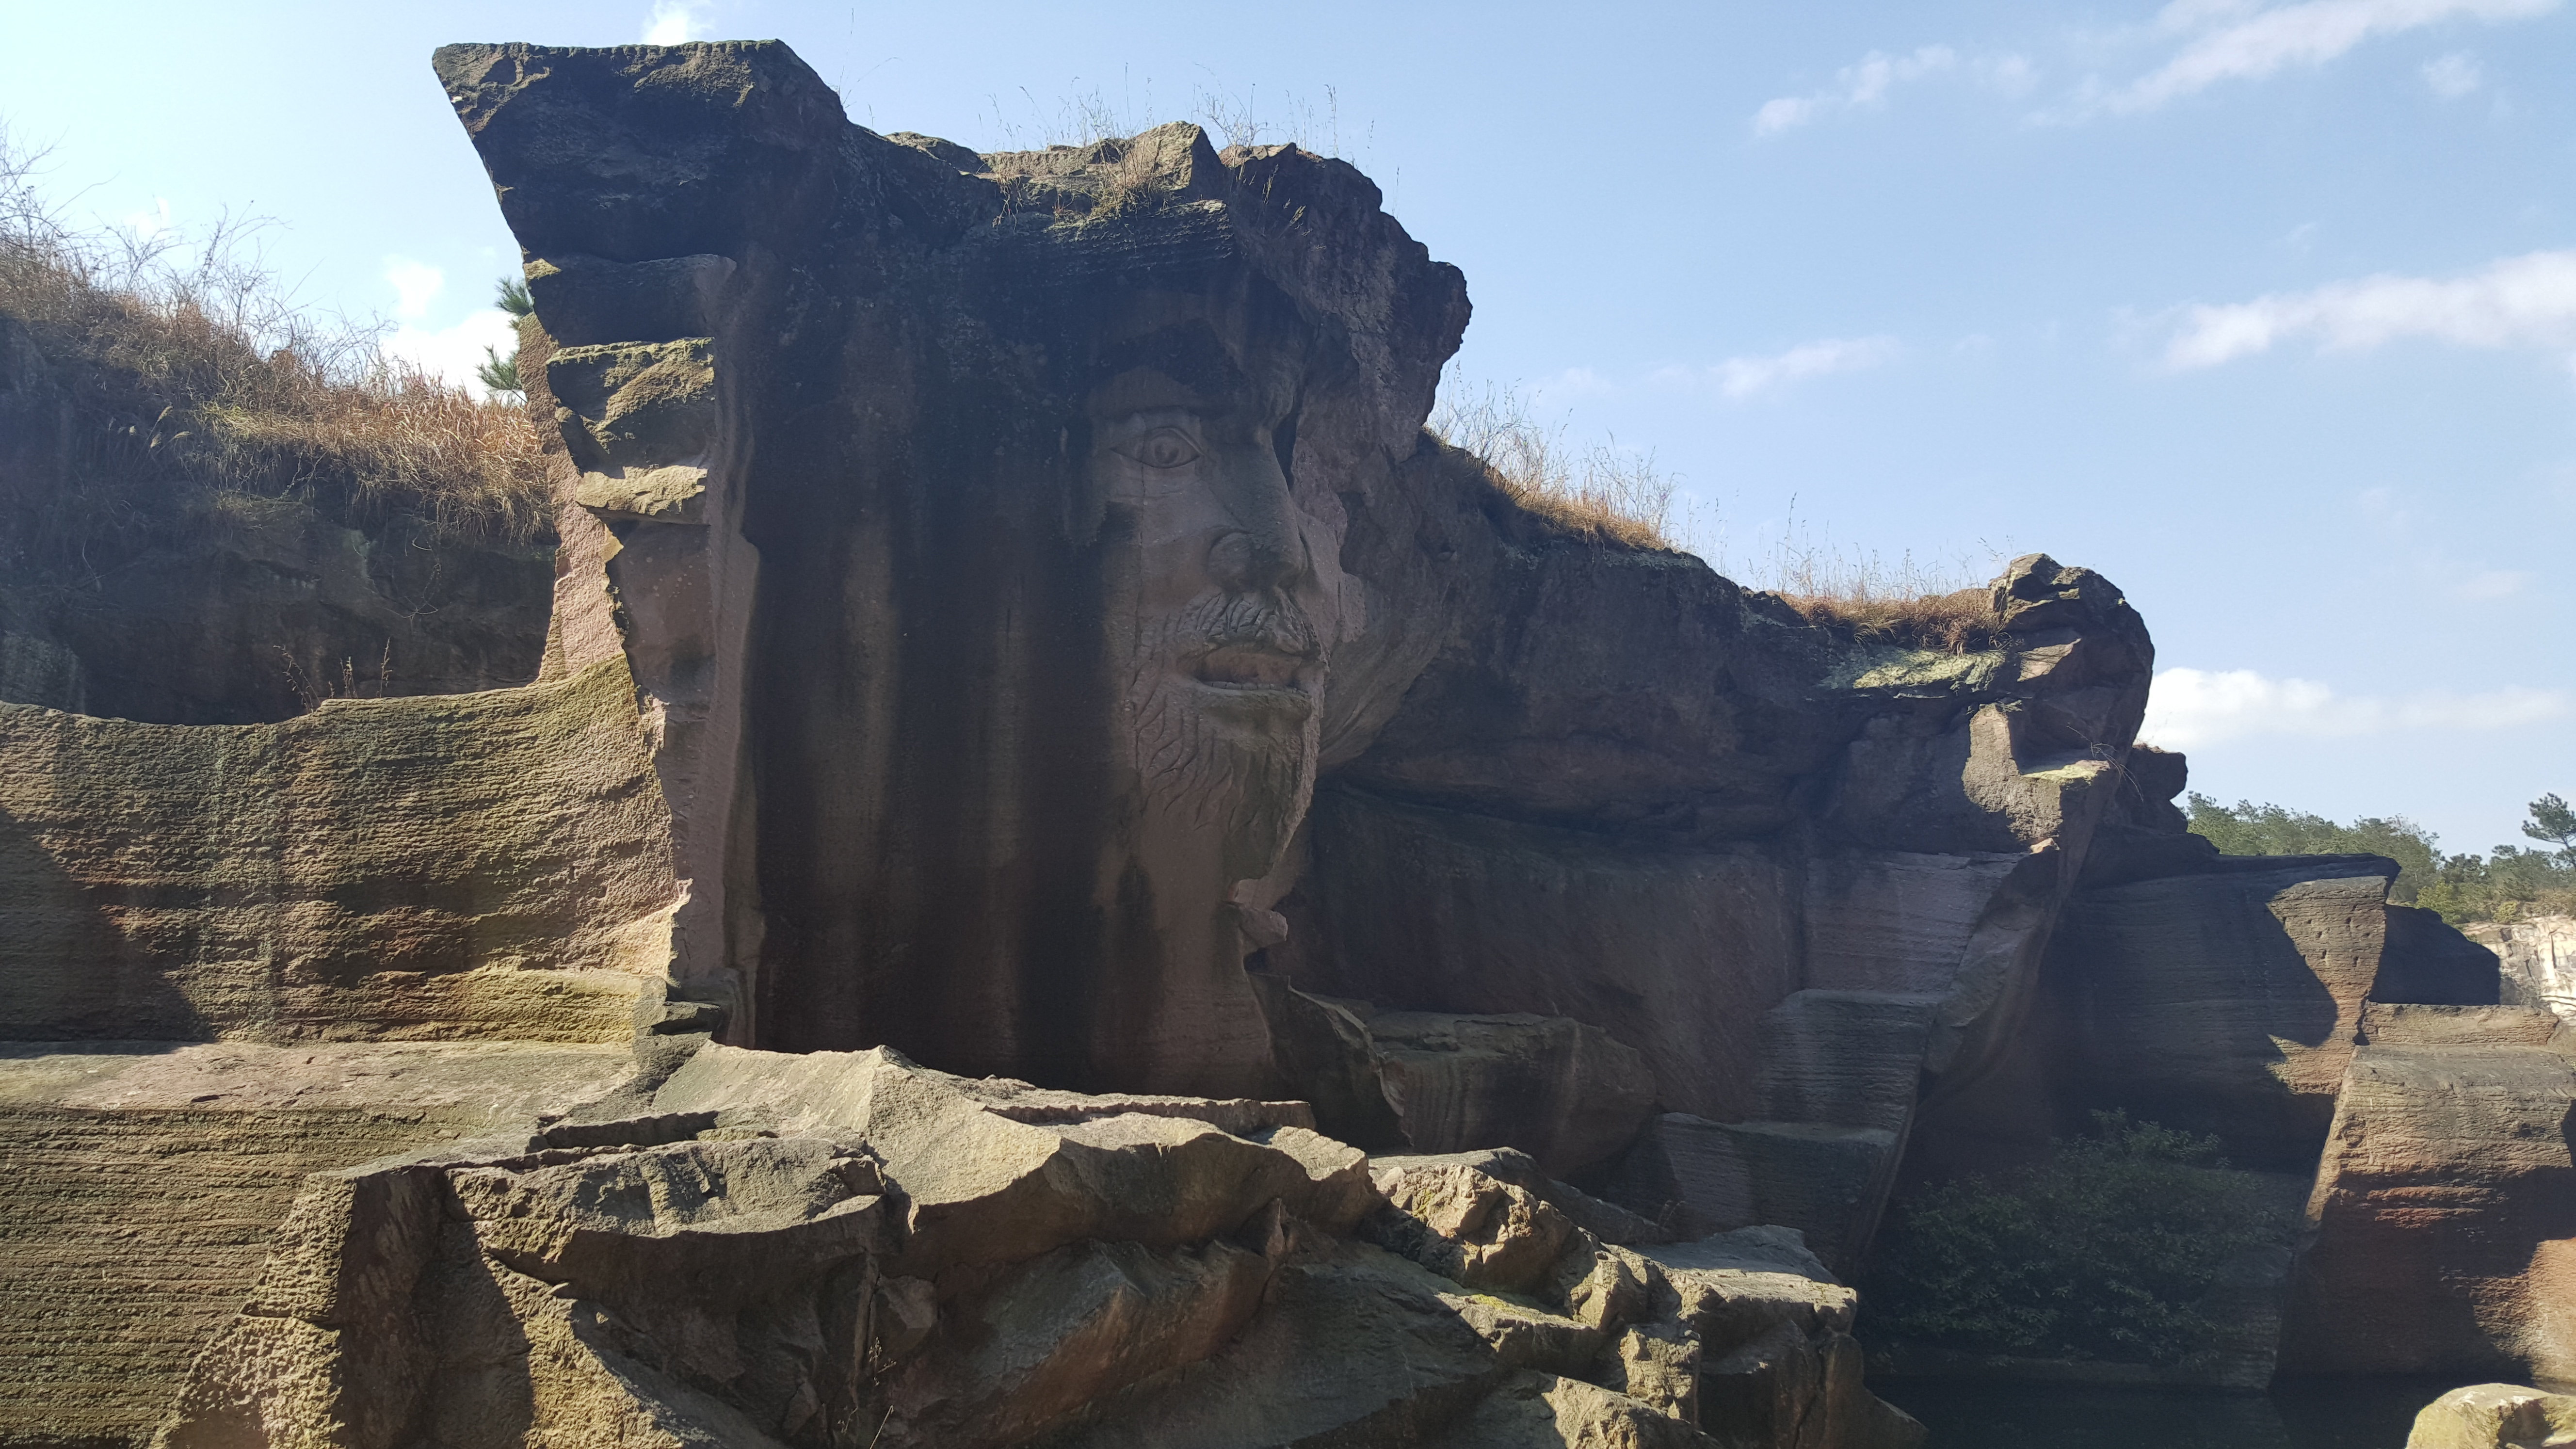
1163 448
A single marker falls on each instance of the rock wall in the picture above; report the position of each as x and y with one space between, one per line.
491 866
1797 876
2224 1002
2443 1223
146 1182
2279 1004
2538 957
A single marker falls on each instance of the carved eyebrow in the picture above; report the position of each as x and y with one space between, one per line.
1187 350
1145 389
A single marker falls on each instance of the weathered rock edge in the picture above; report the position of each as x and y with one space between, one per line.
847 1249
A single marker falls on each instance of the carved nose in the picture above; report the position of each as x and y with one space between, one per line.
1264 550
1245 561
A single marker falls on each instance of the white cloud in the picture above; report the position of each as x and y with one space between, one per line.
2240 42
1866 84
150 222
416 285
1739 378
2189 708
674 22
2526 301
455 352
2454 75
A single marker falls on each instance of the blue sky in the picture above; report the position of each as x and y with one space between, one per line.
2267 311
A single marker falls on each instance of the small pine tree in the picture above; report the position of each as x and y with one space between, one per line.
498 373
511 296
2553 821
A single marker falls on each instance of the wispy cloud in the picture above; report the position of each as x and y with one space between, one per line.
1866 84
2189 708
2525 301
2488 585
415 284
1738 379
2453 76
675 22
2230 40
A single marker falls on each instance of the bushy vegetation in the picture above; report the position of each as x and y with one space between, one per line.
2506 884
192 376
2105 1251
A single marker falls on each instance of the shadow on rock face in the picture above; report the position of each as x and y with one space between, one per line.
70 972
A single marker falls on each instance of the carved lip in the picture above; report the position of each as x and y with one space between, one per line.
1255 681
1254 666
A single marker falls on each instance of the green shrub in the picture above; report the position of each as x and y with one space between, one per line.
2102 1252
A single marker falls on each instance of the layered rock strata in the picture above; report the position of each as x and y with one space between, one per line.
2538 957
146 1181
490 866
2282 1005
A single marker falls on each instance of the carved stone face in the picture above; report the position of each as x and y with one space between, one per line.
1219 610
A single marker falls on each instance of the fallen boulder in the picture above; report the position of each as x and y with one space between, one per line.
2495 1416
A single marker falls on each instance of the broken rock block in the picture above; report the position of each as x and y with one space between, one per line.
1353 1347
984 1185
1071 1326
1656 1364
1828 1179
1779 1365
1474 1230
1544 1411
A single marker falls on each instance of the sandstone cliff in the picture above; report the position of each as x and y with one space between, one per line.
1216 926
2538 957
2280 1004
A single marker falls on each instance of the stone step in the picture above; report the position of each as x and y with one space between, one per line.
1845 1058
1826 1180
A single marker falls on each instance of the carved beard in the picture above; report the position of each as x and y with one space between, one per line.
1249 780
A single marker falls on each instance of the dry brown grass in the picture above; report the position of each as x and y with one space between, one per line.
1953 623
1904 603
1604 493
192 372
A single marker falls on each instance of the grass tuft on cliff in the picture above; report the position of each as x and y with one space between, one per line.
1605 494
191 376
1951 623
2106 1251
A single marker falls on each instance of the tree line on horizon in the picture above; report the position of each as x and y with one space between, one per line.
2508 883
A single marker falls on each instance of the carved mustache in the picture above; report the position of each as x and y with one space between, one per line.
1254 622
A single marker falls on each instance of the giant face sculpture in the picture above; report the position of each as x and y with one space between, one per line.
1218 615
983 637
